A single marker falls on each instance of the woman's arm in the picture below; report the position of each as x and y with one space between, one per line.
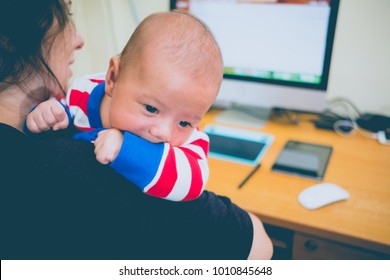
262 248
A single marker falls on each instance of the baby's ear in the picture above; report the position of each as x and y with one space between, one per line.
112 75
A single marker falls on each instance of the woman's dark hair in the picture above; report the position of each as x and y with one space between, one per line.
24 26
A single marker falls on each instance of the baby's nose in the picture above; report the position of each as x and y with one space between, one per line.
163 132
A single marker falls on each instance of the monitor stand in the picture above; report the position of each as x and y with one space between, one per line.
242 115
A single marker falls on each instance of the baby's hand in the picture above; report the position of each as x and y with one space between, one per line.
107 145
49 114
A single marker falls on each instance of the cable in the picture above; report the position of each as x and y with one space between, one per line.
346 104
345 123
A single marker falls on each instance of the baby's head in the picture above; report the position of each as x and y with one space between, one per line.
165 79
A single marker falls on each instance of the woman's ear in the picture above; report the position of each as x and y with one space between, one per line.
112 75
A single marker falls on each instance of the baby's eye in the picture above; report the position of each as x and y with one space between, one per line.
184 124
151 109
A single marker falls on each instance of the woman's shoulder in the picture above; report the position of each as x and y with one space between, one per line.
9 131
11 139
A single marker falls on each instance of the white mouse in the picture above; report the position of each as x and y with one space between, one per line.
321 194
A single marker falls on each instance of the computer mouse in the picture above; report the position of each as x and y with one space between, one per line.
321 194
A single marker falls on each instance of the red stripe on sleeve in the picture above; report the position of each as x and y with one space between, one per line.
79 99
203 144
168 177
96 81
84 128
196 175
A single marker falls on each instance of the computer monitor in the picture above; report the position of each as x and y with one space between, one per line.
276 53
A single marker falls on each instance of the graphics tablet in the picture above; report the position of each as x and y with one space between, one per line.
238 145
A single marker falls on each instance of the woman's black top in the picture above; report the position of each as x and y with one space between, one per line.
58 202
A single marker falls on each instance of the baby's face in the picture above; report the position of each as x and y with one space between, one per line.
160 104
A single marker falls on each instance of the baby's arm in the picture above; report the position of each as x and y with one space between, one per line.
173 173
183 170
50 114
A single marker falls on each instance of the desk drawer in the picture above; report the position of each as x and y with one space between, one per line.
308 247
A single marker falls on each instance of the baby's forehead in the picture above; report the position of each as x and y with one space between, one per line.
183 38
178 39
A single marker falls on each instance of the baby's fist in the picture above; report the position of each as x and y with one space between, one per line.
107 145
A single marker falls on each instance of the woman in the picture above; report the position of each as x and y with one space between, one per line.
91 212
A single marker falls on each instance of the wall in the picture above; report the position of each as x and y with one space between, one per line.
106 27
360 69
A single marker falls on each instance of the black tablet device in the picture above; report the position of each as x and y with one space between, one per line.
303 159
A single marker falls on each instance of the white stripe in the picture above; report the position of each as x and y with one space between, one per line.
197 149
195 135
204 171
84 84
184 179
160 168
79 118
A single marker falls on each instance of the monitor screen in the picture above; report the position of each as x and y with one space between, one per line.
276 53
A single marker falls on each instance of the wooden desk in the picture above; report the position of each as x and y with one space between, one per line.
358 164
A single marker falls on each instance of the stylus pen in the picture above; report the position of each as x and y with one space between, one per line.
249 175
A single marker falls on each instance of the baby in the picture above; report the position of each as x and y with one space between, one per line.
143 114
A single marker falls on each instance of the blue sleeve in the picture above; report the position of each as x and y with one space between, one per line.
88 136
138 159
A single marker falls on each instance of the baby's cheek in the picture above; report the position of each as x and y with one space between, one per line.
180 138
121 119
